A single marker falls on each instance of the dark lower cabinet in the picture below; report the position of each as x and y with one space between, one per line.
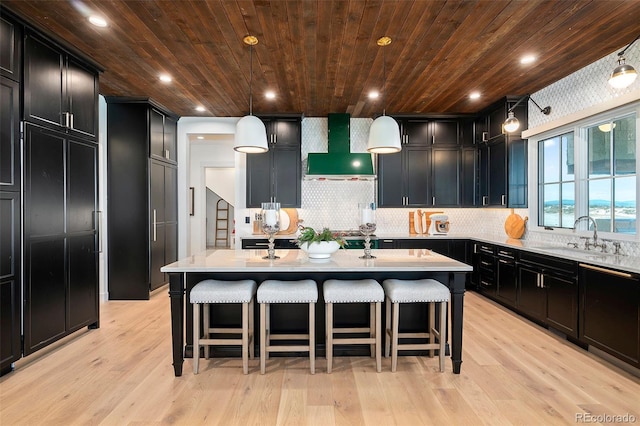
10 297
60 237
532 297
507 277
610 312
562 304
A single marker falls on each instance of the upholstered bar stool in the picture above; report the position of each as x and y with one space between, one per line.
415 291
209 292
354 291
276 291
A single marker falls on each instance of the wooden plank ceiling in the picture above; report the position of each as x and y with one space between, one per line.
321 56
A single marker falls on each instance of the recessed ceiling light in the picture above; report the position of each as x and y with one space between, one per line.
98 21
374 94
528 59
200 137
270 95
474 95
165 78
200 108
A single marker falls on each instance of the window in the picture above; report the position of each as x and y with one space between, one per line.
556 187
591 170
612 175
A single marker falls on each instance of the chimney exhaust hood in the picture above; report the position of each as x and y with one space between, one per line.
339 163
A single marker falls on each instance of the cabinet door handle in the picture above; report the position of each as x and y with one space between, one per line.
484 200
504 199
166 154
67 119
97 225
541 280
71 120
606 271
155 226
433 201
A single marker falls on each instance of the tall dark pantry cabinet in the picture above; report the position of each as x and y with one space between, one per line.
142 195
48 191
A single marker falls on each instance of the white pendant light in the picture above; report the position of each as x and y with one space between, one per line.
624 74
384 133
251 134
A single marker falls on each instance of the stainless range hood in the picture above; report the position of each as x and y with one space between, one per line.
339 163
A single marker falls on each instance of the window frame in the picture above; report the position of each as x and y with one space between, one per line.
579 129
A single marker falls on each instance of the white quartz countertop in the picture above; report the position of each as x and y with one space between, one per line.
298 261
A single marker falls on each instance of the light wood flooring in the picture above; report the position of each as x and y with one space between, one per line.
513 372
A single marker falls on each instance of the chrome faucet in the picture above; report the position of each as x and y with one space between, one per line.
595 230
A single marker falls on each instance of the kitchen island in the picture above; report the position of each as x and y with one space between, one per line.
293 265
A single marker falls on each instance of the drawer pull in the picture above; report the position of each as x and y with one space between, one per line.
606 271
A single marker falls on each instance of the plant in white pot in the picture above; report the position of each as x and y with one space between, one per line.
319 245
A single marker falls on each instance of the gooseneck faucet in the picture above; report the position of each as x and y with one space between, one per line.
595 229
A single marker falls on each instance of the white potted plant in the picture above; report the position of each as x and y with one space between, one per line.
319 245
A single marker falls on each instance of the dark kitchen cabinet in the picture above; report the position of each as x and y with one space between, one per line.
502 157
10 49
60 236
433 169
276 174
142 196
484 269
10 289
404 178
446 177
609 312
163 138
60 92
9 135
445 132
506 277
532 297
468 178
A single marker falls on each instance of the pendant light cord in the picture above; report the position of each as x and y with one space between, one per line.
621 53
384 81
250 79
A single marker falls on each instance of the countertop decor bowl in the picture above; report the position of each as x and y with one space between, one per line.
320 249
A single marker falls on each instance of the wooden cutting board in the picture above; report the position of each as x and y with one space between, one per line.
515 225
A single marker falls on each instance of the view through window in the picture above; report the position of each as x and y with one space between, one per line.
594 174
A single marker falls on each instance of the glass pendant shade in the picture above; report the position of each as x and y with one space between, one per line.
384 136
623 75
251 135
511 124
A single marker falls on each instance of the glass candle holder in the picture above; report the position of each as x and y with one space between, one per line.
270 226
367 226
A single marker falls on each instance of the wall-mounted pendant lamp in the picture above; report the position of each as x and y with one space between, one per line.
624 74
512 123
384 133
251 134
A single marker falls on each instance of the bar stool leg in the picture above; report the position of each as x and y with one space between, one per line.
252 338
377 336
196 337
441 339
432 326
329 341
372 324
394 336
387 328
312 337
263 337
245 338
